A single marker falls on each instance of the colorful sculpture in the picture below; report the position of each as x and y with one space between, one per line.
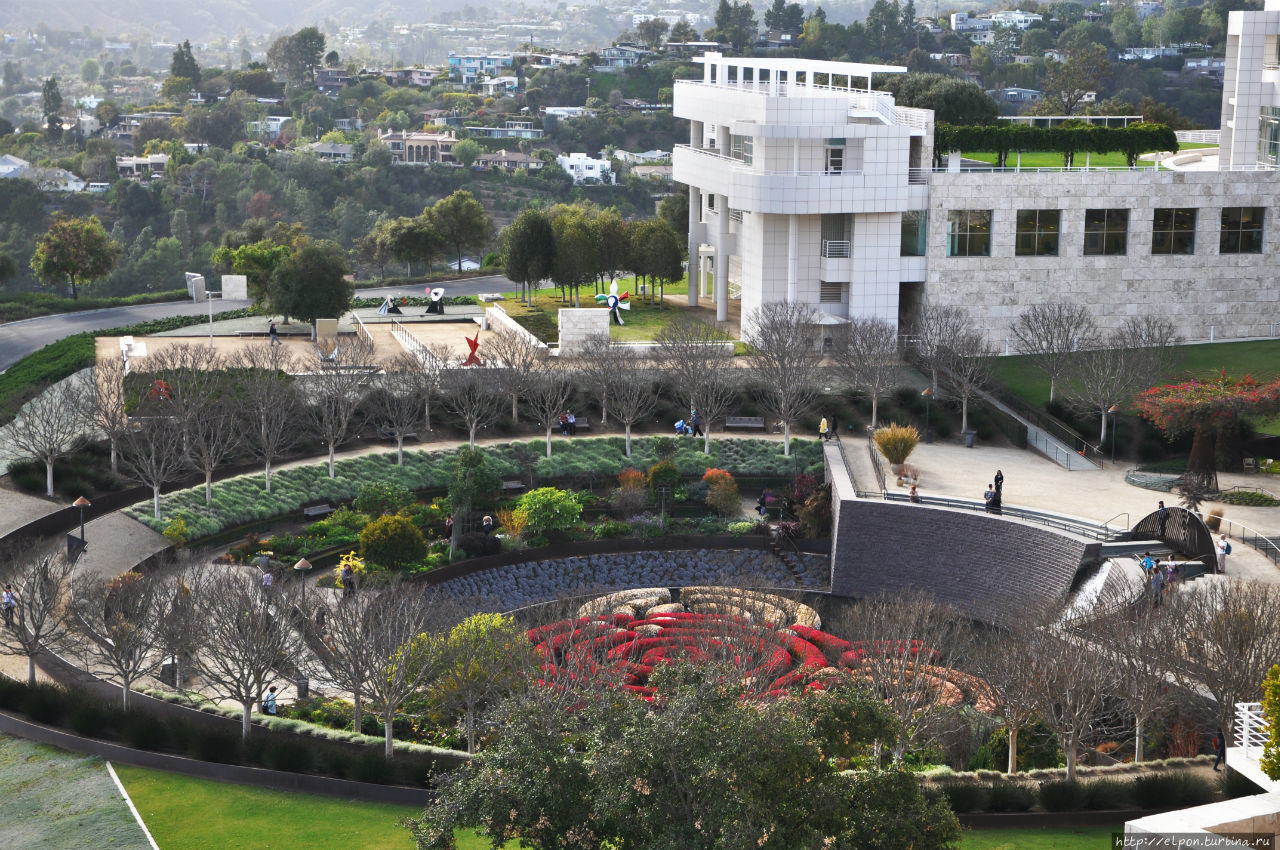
473 343
437 301
615 302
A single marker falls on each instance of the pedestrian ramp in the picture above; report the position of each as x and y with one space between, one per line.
1041 441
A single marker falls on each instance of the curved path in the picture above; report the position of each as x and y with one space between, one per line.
18 339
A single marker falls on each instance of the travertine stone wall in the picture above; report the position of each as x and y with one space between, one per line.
581 324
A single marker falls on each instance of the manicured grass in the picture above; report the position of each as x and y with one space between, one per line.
52 798
1082 838
642 322
1053 159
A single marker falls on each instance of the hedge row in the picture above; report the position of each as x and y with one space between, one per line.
1132 141
89 716
28 305
1169 790
32 374
582 462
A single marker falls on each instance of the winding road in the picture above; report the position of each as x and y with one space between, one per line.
18 339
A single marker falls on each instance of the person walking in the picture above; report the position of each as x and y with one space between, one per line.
349 580
1162 517
989 497
268 580
10 604
486 525
914 495
824 430
269 701
1224 549
1219 748
695 420
999 482
273 334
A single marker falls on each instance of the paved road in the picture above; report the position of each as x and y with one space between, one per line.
18 339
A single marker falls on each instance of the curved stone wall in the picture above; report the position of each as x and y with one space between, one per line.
519 585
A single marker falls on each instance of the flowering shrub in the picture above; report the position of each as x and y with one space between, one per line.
722 492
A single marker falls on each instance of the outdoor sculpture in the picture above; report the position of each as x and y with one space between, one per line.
615 302
388 307
437 301
473 343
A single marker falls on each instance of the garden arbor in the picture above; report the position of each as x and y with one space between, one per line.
1206 408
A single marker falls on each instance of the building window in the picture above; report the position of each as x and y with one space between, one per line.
836 242
915 227
835 160
1173 231
830 293
969 233
1106 232
1241 230
1269 136
741 148
1037 233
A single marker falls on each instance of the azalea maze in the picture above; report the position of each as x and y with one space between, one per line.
775 644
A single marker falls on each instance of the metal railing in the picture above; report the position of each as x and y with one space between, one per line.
836 248
910 117
1045 421
1198 137
918 176
1252 729
1078 169
1073 525
362 332
875 464
880 104
740 166
1268 546
411 343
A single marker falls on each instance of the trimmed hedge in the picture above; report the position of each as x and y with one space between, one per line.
29 305
581 462
1132 141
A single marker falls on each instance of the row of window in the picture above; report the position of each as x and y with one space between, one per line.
1106 232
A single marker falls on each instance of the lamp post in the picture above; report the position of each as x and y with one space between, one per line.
81 503
927 392
303 567
1113 410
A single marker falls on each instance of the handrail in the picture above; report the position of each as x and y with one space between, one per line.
837 249
361 331
1253 730
875 464
1095 531
1044 420
1269 546
1124 514
1082 169
740 166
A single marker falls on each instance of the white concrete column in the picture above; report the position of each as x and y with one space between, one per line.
695 239
793 242
795 156
722 259
695 134
722 139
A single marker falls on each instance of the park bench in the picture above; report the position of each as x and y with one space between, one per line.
512 485
752 423
317 509
385 433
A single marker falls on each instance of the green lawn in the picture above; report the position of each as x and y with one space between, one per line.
641 323
1083 838
1053 159
1259 358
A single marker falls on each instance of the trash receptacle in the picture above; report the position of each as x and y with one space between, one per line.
303 688
968 438
169 672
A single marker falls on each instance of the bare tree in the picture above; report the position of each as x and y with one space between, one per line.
176 625
244 637
469 393
1225 637
866 358
1005 662
398 401
407 650
1122 363
348 656
41 582
634 395
938 327
202 399
549 389
270 403
1134 642
518 356
1071 686
153 448
1049 333
600 362
103 403
335 391
788 353
48 426
965 364
697 360
112 625
910 643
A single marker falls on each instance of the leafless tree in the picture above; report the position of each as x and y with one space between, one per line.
634 395
113 625
892 629
866 358
153 448
939 326
1122 363
1135 643
244 636
271 406
1049 333
965 365
697 361
348 656
469 393
398 401
178 630
549 389
407 650
517 356
41 581
335 391
599 364
1004 660
787 356
1225 637
1072 684
48 426
202 399
102 403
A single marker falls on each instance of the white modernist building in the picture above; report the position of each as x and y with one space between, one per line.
806 185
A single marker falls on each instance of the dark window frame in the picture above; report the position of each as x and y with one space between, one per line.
1106 232
967 234
1173 230
1034 236
1239 236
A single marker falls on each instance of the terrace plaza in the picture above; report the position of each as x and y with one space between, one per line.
805 184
